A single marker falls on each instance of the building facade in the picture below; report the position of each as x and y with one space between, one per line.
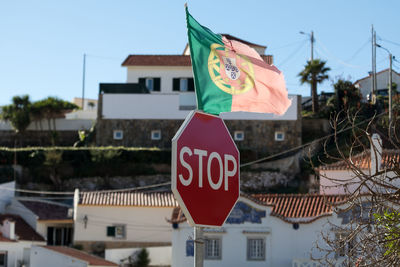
151 117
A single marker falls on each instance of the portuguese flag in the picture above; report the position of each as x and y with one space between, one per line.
231 76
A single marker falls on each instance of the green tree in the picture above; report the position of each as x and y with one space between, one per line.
314 72
142 258
52 108
18 113
347 97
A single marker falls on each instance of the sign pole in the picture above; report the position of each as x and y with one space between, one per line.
198 246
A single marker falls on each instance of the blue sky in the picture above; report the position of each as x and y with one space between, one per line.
42 42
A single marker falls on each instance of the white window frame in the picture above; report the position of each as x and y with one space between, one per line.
154 133
213 248
277 138
120 231
238 135
115 134
344 247
258 255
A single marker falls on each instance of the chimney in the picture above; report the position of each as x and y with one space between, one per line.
376 153
9 228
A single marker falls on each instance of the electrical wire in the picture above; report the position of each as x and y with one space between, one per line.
309 143
287 45
168 183
359 50
334 57
291 55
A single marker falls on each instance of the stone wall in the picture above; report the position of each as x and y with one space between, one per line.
259 135
38 138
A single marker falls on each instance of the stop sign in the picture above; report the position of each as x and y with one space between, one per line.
205 169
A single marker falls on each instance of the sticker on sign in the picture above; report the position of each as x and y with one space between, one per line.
205 170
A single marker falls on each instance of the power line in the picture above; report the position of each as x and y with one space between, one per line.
168 183
335 58
287 45
292 54
359 50
307 144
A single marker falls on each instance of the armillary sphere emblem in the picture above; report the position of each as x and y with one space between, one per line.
231 72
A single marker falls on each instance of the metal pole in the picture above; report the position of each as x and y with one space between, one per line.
312 46
198 247
375 80
83 81
372 63
390 89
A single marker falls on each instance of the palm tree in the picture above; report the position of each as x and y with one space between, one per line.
314 72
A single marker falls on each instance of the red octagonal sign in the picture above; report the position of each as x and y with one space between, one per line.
205 169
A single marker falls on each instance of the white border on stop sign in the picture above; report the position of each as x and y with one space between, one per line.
174 171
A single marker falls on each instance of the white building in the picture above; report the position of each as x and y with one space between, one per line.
382 82
105 220
16 240
41 256
159 94
345 177
262 230
52 220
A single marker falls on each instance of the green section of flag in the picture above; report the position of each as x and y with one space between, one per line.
210 98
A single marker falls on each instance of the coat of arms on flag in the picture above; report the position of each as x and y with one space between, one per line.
231 76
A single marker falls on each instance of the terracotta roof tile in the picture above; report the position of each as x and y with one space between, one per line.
301 208
46 210
169 60
363 161
81 255
151 199
157 60
5 239
22 229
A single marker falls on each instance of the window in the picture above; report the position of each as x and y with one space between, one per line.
183 84
212 249
344 246
59 236
116 231
279 136
256 249
3 258
118 135
238 135
152 84
156 135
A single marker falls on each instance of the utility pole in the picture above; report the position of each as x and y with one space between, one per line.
390 89
312 45
373 88
375 80
83 81
198 247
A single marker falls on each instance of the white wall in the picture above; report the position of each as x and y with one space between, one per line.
41 257
166 106
82 115
61 125
159 256
15 251
143 224
382 81
6 194
166 74
346 181
283 243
